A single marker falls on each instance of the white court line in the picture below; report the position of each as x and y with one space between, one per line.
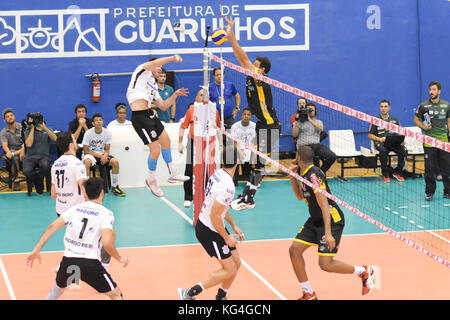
260 277
438 236
193 244
8 283
263 280
177 210
419 226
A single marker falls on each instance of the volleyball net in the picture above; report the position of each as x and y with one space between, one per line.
398 207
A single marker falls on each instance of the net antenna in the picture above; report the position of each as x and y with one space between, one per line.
205 68
204 143
206 98
222 70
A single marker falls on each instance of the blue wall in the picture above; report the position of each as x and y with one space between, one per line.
359 52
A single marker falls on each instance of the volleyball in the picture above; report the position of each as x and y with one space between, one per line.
219 36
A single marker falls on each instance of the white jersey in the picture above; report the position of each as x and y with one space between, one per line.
220 188
97 142
116 123
142 86
66 172
85 223
246 134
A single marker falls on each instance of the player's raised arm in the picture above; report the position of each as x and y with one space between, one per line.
154 65
239 53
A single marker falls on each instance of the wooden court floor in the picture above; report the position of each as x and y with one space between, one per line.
156 236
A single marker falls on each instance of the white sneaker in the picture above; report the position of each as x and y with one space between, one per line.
368 279
175 177
187 203
154 188
239 205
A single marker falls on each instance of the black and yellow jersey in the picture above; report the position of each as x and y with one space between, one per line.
259 100
314 175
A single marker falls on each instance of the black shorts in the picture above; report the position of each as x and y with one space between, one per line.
147 125
212 242
314 235
99 161
91 271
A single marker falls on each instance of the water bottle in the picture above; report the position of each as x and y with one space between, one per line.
427 118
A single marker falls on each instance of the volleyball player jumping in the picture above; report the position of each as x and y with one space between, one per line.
259 100
143 91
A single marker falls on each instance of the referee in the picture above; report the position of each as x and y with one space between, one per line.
323 229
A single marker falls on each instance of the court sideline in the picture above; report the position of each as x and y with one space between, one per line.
158 239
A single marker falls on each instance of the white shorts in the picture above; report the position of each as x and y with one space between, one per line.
247 155
90 157
94 160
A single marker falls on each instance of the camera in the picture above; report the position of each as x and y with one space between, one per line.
302 114
35 118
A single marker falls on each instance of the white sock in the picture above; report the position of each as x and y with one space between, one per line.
55 293
115 179
152 175
359 270
306 287
172 170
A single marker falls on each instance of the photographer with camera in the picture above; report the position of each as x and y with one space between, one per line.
37 144
307 129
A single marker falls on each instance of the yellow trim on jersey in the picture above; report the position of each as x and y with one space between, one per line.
305 242
262 102
306 170
322 186
335 214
